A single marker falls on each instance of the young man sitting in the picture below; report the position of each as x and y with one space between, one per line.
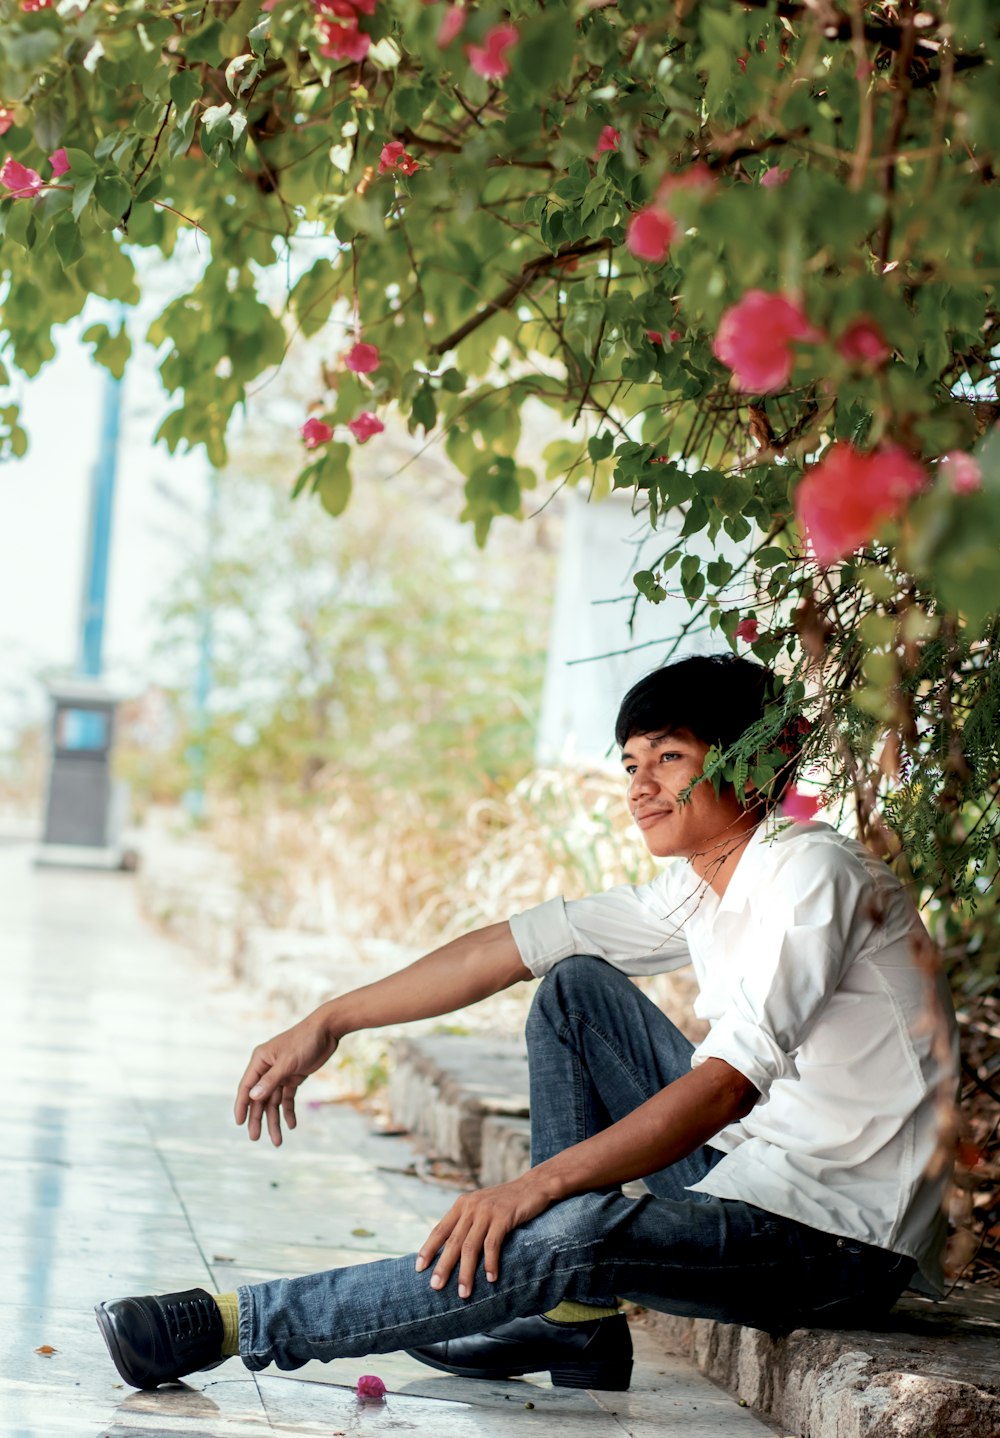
786 1157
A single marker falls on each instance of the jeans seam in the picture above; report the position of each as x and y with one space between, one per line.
584 1021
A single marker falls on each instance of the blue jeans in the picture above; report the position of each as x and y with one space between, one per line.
597 1048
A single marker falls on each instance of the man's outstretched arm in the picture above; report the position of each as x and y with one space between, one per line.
459 973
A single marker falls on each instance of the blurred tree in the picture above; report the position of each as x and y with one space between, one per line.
744 250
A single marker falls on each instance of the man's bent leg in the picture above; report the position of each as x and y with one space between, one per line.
597 1049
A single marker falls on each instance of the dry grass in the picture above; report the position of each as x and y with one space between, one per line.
360 867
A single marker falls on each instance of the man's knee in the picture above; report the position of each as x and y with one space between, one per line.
573 982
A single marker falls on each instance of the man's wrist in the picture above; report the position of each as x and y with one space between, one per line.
332 1020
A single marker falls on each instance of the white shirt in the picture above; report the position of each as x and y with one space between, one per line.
807 977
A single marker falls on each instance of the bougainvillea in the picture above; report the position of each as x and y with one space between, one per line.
745 253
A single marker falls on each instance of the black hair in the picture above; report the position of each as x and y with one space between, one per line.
715 697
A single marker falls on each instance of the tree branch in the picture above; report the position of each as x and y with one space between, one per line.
530 272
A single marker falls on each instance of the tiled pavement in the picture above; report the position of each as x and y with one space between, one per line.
121 1171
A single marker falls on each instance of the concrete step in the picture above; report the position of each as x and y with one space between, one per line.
932 1372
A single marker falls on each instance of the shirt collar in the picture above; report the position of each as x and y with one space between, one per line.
757 858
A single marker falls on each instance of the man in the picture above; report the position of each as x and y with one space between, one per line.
786 1158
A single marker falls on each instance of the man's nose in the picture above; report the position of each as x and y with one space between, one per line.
643 781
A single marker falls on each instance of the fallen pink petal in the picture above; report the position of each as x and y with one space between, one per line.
362 358
22 182
371 1389
364 425
314 433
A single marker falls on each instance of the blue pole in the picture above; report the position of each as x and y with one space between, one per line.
194 799
102 497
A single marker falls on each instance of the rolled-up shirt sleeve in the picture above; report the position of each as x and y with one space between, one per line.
638 928
800 952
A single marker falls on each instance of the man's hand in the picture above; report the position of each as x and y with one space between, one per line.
476 1226
275 1071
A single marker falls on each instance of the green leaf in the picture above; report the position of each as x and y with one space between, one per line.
332 478
599 446
649 586
68 241
114 195
185 89
111 350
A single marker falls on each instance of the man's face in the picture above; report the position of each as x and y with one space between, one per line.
660 766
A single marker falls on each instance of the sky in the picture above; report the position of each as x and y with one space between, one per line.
44 506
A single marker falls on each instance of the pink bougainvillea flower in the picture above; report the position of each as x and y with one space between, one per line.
6 119
395 156
19 180
490 58
59 163
29 5
451 26
370 1388
364 425
610 139
863 343
696 177
747 630
755 339
799 806
346 9
773 177
314 433
654 337
845 498
362 358
650 234
673 336
342 42
962 472
653 230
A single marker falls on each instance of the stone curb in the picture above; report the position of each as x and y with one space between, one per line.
445 1089
935 1374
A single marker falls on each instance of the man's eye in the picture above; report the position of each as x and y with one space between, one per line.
669 754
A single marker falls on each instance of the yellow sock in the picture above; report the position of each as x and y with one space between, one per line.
228 1306
570 1312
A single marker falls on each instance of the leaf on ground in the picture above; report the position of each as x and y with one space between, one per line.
362 1233
47 1350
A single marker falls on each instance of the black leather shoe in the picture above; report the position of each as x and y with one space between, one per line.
597 1354
156 1340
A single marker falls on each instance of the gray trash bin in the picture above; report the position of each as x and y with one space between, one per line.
83 815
